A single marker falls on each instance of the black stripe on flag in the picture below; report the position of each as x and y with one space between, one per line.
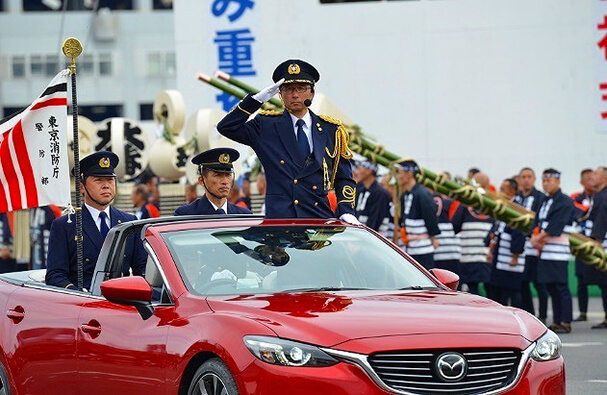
54 89
48 91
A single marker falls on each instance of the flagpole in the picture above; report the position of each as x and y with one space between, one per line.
72 49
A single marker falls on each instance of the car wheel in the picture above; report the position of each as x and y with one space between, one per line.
212 378
4 387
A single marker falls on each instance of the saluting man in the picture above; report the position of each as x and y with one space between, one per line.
304 155
216 175
99 188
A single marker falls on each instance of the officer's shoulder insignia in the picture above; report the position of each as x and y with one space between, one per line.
332 120
270 113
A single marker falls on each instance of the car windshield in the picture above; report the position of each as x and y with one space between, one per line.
264 259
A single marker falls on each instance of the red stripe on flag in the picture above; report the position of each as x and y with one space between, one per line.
10 174
50 103
31 192
3 201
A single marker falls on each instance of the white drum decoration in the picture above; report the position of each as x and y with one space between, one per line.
127 139
86 133
168 160
169 110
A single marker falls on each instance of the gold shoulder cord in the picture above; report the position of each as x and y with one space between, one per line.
341 146
270 113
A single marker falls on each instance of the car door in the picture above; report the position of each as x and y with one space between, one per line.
39 339
120 352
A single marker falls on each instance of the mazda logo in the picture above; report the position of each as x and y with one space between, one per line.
451 366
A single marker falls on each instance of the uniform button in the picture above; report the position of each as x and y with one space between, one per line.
315 204
295 181
296 201
282 162
314 187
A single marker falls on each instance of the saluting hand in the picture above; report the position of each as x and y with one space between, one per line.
267 93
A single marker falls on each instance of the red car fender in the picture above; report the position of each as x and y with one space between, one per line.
216 333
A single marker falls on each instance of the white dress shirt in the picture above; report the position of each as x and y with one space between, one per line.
307 127
95 214
224 207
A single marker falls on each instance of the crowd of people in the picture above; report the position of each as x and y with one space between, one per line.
489 256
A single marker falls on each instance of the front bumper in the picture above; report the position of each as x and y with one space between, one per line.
542 378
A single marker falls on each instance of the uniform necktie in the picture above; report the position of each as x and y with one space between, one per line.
103 228
302 140
220 211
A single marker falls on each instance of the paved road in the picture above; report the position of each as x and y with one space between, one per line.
585 352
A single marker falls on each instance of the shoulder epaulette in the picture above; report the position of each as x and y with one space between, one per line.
329 119
270 113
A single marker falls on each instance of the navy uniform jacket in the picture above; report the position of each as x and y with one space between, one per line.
204 206
373 205
296 186
508 242
449 248
532 202
596 228
62 268
418 217
555 218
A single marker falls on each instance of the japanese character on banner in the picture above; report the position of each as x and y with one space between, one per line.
235 54
219 7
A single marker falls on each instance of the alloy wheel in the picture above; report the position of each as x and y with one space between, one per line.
209 384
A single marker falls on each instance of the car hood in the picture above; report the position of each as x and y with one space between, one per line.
330 318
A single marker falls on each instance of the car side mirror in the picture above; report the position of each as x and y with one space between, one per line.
130 291
447 278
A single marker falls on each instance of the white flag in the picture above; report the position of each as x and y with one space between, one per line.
34 169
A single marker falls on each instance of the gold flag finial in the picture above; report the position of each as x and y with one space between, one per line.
72 48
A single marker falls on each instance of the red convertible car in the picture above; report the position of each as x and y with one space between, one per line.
242 305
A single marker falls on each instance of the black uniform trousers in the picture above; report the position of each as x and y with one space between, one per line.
542 292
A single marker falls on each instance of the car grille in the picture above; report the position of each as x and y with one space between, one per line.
415 372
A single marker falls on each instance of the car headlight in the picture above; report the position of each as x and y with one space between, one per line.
547 347
287 353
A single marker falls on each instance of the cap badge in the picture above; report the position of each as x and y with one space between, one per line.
104 162
224 158
294 68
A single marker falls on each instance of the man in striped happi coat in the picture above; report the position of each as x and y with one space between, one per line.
449 250
551 239
506 247
531 199
472 228
372 200
418 222
596 228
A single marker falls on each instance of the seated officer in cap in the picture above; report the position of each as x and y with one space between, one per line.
216 175
304 155
99 188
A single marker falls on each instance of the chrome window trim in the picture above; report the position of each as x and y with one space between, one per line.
361 360
51 288
152 254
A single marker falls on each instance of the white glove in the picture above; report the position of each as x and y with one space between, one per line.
349 218
267 93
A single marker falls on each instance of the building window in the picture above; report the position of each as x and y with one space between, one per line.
86 66
161 64
163 4
52 65
146 111
105 64
75 5
37 65
99 112
18 66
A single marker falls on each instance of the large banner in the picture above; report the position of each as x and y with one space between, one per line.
34 168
